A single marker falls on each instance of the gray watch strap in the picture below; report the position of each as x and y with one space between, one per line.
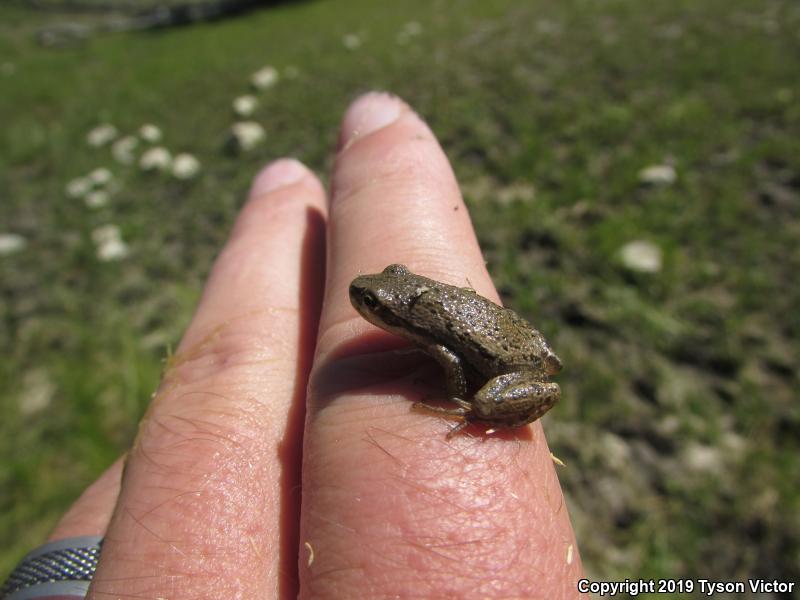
61 568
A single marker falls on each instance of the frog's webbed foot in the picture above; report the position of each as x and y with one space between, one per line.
462 412
456 429
464 408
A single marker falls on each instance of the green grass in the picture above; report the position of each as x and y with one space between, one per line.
679 423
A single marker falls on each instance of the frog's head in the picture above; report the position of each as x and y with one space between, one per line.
383 298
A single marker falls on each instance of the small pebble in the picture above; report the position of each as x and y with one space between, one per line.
641 256
37 392
658 175
105 233
702 458
112 250
11 243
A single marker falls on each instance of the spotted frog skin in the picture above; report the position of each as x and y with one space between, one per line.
472 338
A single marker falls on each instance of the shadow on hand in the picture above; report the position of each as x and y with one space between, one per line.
390 366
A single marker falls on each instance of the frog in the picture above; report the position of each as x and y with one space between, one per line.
478 343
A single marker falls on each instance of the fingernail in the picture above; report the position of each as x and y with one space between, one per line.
280 173
370 112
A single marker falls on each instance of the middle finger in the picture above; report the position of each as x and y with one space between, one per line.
390 505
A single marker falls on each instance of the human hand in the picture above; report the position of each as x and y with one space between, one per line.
210 505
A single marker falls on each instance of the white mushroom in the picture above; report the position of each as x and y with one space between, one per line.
244 106
101 135
264 78
100 176
246 135
156 159
123 150
351 41
150 133
185 166
96 199
78 187
109 243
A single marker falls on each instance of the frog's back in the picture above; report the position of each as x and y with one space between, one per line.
491 339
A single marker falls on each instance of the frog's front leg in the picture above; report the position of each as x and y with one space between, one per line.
456 386
514 399
453 370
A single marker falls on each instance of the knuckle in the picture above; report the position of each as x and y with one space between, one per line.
240 348
395 166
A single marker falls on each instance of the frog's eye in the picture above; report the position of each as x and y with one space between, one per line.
369 299
396 270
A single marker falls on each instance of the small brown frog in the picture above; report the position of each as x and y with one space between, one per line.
472 338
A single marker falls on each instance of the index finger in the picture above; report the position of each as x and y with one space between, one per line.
389 504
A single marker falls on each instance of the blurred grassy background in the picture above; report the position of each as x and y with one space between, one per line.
679 424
